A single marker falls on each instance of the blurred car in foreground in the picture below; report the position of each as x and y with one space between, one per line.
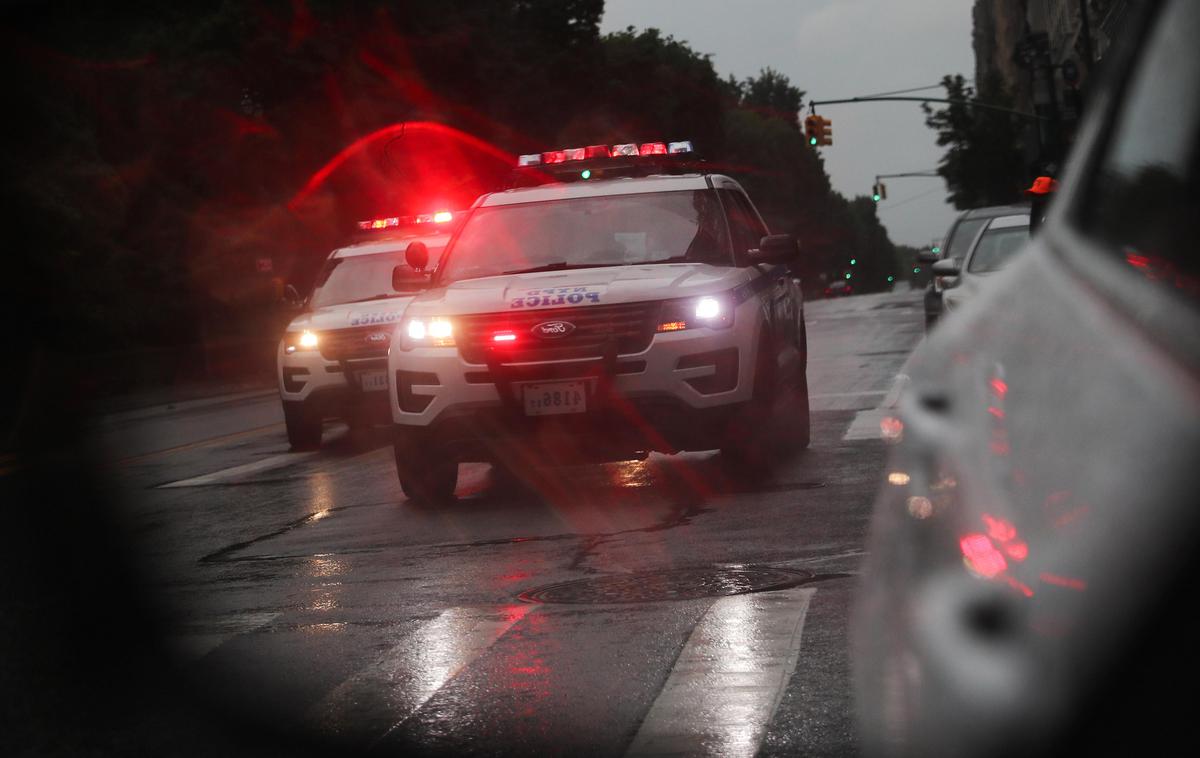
1028 586
962 232
332 360
1000 239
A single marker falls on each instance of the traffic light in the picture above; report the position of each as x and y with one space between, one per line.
875 193
813 127
826 131
882 191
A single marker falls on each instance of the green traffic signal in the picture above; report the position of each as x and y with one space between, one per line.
936 249
891 278
853 261
917 270
812 140
876 197
585 174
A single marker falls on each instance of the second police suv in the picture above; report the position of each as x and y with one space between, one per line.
618 300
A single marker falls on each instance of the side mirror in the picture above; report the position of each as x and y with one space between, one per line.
291 297
405 279
928 256
775 248
946 267
417 255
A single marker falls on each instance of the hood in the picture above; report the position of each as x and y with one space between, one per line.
581 287
350 315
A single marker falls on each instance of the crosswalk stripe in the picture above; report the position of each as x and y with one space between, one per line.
725 686
197 642
274 461
381 696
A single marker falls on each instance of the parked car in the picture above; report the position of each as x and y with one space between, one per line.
840 288
1029 586
996 244
958 238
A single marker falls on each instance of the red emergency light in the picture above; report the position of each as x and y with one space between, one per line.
591 152
390 222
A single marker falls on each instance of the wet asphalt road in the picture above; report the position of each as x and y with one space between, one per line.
301 590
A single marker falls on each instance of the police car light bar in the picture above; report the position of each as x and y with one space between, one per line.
376 224
626 150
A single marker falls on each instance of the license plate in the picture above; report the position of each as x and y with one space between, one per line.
555 397
373 381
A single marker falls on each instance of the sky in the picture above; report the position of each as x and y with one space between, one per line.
834 49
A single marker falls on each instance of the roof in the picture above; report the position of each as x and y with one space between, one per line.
389 244
1008 222
601 188
994 210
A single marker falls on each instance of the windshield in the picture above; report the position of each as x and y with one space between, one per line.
996 247
359 278
615 230
963 234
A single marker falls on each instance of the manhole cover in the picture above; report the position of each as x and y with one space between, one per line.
675 584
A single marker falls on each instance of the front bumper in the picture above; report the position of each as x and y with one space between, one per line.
677 394
334 388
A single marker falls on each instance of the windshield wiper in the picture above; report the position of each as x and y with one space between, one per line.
559 266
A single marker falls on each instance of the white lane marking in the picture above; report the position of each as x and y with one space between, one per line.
871 393
381 696
727 683
865 425
275 461
202 638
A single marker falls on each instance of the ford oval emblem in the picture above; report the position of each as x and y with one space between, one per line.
377 337
553 329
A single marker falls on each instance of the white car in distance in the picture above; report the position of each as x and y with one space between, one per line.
332 359
996 244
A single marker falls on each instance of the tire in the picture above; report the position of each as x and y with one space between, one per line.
303 424
427 476
748 449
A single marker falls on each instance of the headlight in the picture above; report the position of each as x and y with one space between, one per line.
428 332
712 311
305 340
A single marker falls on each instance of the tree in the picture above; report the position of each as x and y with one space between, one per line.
983 164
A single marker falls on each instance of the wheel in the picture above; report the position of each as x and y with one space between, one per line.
427 476
303 424
748 449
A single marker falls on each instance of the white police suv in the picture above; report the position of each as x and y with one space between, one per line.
625 303
332 360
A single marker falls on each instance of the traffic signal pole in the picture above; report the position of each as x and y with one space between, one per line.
879 189
970 103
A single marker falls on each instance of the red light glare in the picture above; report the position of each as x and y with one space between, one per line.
981 556
1065 582
1018 551
653 148
554 156
504 337
999 387
595 151
442 217
575 153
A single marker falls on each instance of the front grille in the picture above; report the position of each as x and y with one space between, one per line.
629 325
359 342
